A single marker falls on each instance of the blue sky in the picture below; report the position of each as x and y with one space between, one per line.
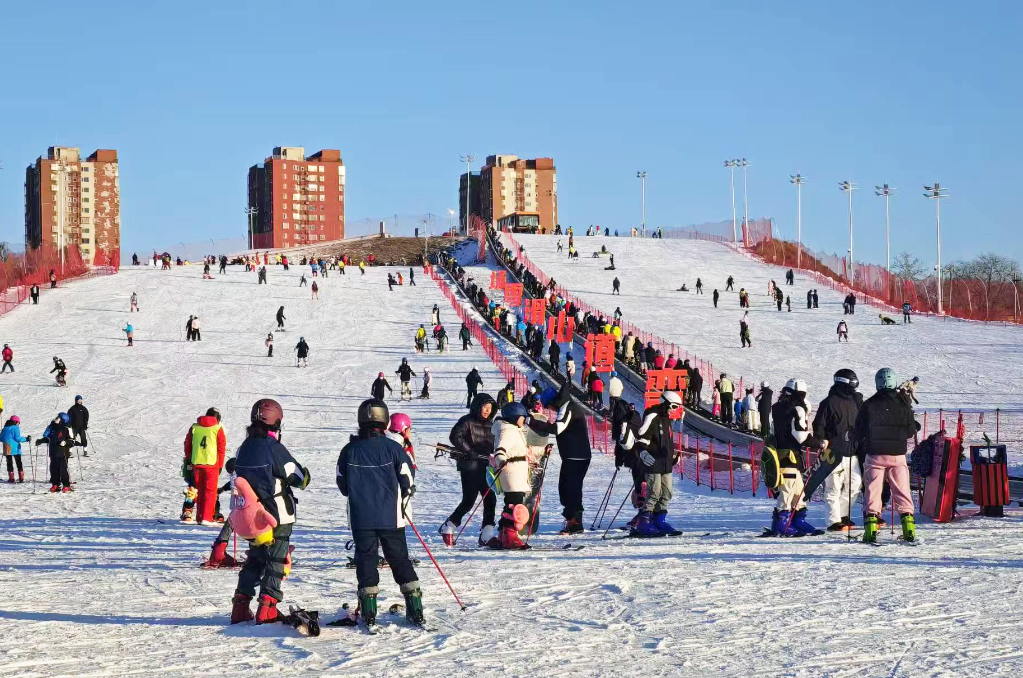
191 94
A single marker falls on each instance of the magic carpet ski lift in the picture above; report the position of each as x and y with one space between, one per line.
770 467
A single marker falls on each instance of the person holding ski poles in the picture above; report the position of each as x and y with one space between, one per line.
473 439
12 439
376 476
58 438
79 415
405 375
656 457
569 427
269 469
379 384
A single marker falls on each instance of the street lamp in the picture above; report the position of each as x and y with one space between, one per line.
467 159
451 228
642 179
743 163
887 192
849 187
936 193
798 179
251 211
730 164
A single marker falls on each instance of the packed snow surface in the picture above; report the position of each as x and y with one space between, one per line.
105 581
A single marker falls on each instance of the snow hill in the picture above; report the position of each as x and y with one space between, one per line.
105 581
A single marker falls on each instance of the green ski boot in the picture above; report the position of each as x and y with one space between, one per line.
908 527
870 530
413 603
368 605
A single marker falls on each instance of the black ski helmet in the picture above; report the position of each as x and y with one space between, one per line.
373 412
847 376
213 412
267 413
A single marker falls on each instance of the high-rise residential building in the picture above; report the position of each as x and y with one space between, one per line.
73 202
508 184
296 200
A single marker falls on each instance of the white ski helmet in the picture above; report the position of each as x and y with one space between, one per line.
789 386
799 386
764 384
673 399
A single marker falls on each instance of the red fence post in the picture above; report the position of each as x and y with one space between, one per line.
710 467
731 476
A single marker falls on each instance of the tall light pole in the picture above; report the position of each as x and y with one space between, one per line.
251 211
798 179
887 192
849 187
468 159
730 164
743 163
642 179
936 193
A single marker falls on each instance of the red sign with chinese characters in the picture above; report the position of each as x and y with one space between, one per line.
497 280
535 311
600 352
659 381
512 294
560 329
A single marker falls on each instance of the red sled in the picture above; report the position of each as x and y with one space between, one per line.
941 487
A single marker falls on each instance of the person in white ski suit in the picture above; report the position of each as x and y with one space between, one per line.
750 413
511 461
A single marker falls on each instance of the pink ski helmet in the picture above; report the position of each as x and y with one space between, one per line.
399 422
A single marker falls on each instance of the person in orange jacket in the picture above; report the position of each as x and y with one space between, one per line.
205 449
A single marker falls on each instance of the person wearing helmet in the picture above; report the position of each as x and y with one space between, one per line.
399 430
58 439
61 370
883 425
473 440
379 384
427 380
569 427
615 387
726 389
791 433
764 401
8 356
625 419
908 390
79 416
405 375
656 454
205 449
12 439
511 461
302 359
420 339
472 382
270 470
377 477
842 331
833 427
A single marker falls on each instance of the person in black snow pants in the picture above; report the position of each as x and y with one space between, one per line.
764 402
79 420
280 319
616 285
303 353
188 328
411 277
473 441
59 441
715 296
390 282
472 382
405 375
269 345
729 283
569 426
270 470
554 355
34 291
379 384
465 336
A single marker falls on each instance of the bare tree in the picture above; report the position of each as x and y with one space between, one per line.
990 268
908 267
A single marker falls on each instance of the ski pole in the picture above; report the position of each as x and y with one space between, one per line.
435 564
539 492
603 504
79 458
490 486
34 449
604 536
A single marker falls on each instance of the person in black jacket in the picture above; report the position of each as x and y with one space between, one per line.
554 355
883 425
792 432
379 384
833 427
656 457
569 426
270 470
280 319
474 443
61 369
764 401
405 375
472 382
79 416
303 353
58 439
378 478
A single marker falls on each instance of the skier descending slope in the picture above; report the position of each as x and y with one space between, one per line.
833 426
405 375
302 359
657 455
569 426
270 470
376 476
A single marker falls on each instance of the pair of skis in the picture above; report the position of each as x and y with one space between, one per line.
351 619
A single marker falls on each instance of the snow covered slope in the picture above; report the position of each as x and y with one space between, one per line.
961 364
104 581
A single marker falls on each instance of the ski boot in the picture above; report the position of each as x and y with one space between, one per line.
240 611
368 605
267 612
488 537
447 532
21 476
838 527
781 526
801 526
660 521
509 539
573 525
870 529
645 527
413 603
848 522
54 488
66 489
218 556
908 527
10 477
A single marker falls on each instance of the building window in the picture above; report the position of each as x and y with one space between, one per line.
85 179
85 169
85 241
85 210
323 237
85 189
285 236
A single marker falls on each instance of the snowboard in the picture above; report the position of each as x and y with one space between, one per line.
942 486
827 462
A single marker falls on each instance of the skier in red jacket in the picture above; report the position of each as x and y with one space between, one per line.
205 448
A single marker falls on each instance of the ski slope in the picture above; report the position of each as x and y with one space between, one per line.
105 581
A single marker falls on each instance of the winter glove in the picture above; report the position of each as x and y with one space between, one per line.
185 469
305 478
646 458
28 439
411 491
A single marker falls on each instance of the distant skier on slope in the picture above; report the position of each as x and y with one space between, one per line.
379 384
280 319
61 370
405 375
302 360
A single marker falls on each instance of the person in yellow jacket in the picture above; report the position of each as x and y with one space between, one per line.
420 339
362 267
726 389
205 449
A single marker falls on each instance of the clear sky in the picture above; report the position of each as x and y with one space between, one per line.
193 93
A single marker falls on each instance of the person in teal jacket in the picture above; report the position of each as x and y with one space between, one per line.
12 439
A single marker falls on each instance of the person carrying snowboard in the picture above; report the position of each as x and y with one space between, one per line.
473 439
833 426
375 474
303 353
11 439
58 439
205 449
656 452
271 472
405 375
883 425
379 384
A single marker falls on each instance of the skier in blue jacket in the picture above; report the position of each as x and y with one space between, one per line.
11 439
376 475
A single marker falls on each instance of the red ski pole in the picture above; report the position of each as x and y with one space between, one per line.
440 571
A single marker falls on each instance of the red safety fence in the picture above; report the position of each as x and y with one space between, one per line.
19 272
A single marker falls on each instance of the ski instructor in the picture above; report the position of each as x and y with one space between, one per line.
569 427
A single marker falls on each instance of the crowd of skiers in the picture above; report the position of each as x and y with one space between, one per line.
66 431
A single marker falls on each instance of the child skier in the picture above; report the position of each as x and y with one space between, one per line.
376 476
303 353
656 449
134 303
12 439
399 429
427 380
511 461
268 467
205 448
130 332
843 331
269 343
61 370
379 384
58 438
8 356
405 375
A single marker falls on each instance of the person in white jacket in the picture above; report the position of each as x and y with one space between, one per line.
614 390
750 414
511 462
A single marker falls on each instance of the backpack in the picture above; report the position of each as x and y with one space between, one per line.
921 459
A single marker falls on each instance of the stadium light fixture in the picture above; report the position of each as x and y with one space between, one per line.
798 179
936 193
730 164
849 187
641 175
886 192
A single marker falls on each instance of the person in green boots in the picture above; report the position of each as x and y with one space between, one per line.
883 425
